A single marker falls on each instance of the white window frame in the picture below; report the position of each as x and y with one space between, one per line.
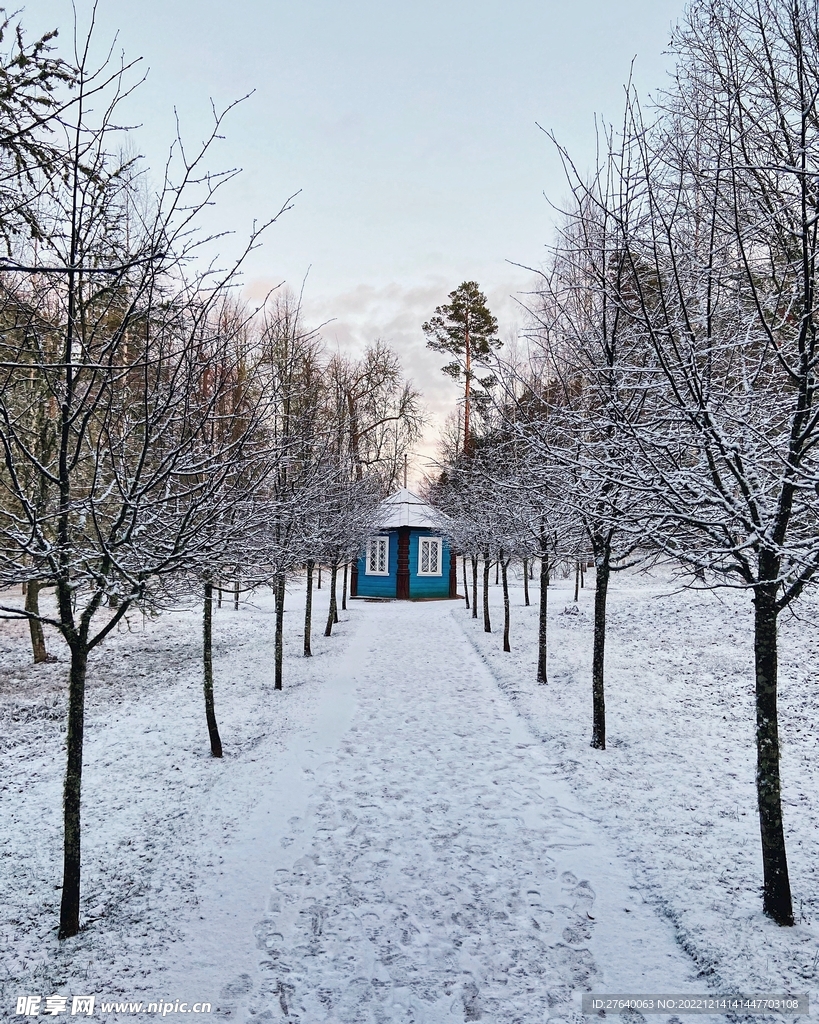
440 546
371 544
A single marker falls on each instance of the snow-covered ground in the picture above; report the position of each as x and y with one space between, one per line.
675 789
411 830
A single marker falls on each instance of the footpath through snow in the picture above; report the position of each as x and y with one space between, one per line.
425 866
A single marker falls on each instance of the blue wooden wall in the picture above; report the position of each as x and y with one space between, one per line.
379 586
428 586
420 586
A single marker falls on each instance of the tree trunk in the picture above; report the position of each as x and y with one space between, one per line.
777 890
308 610
332 616
207 634
334 584
35 627
487 565
601 589
279 628
542 630
466 583
467 388
70 904
526 582
344 590
497 572
236 594
504 575
576 581
219 596
474 586
318 582
582 566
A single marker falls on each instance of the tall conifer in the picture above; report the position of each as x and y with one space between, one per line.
467 330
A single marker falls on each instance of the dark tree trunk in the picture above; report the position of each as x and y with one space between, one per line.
332 616
70 904
542 629
466 583
219 596
582 565
236 594
777 890
474 586
497 571
35 627
308 610
504 565
344 590
601 589
318 582
526 582
207 634
279 628
487 565
576 581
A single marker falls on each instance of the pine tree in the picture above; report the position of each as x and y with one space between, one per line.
467 330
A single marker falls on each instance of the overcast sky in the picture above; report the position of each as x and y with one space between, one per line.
409 130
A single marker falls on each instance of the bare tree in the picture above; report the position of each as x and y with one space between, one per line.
377 414
721 243
137 480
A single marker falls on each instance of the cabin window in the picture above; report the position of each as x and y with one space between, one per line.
378 556
429 556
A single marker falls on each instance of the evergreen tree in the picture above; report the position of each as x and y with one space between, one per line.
467 330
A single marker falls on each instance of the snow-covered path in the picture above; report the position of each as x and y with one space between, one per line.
432 870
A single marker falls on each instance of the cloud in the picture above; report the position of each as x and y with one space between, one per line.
356 317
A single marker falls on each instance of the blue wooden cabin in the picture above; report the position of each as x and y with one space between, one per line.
408 555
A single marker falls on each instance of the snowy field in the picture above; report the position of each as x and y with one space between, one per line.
675 789
412 830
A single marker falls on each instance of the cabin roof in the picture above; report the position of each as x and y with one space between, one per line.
406 509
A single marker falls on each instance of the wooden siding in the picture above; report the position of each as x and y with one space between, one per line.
428 586
379 586
420 587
